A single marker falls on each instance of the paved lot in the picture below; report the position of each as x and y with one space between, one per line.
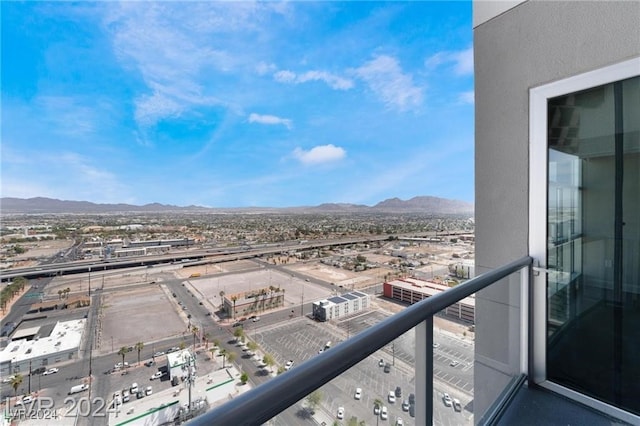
301 338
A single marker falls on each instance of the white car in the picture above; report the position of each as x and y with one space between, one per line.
50 371
454 363
383 413
391 397
156 375
134 388
149 390
358 393
340 414
26 400
255 319
376 409
447 400
288 365
399 422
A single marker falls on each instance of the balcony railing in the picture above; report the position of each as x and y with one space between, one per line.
262 403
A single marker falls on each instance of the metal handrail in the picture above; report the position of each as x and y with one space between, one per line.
271 398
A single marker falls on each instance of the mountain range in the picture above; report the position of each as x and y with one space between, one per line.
421 204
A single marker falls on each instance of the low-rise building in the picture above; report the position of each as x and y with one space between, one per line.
340 306
35 347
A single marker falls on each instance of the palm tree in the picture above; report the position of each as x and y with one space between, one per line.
67 291
221 298
206 338
122 352
139 347
233 299
16 381
194 330
223 353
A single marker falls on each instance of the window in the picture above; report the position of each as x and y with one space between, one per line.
585 147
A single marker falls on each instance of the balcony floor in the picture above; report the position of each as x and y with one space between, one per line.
535 406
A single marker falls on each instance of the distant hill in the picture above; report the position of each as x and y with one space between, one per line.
426 204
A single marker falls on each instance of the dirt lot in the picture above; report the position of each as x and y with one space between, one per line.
138 315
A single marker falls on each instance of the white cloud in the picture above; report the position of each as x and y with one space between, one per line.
320 154
385 78
334 81
177 47
460 60
270 119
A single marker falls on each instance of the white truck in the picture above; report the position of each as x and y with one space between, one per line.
78 388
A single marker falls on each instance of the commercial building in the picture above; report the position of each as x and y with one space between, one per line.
253 301
340 306
41 346
412 290
557 103
181 364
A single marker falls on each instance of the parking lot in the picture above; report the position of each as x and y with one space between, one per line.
302 338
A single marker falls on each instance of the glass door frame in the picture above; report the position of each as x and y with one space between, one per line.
538 188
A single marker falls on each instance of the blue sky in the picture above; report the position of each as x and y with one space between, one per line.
234 104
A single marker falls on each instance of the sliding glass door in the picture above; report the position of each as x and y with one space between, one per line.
593 242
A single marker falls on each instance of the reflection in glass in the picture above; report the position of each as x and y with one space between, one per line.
593 242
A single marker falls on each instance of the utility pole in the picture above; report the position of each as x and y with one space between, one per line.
29 376
89 280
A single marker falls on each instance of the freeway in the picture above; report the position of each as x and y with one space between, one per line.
190 258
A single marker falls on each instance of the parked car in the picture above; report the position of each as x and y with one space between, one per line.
447 400
387 368
454 363
340 414
26 400
159 353
149 390
255 319
156 375
383 413
237 324
376 409
358 393
150 363
412 398
399 422
405 405
50 371
140 394
381 363
398 392
391 397
134 388
456 405
126 395
288 365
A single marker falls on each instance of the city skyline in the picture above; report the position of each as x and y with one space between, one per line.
237 104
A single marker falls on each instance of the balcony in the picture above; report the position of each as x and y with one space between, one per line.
515 401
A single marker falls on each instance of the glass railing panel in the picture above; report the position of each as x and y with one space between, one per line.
453 364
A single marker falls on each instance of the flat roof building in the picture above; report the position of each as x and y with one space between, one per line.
31 350
340 306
